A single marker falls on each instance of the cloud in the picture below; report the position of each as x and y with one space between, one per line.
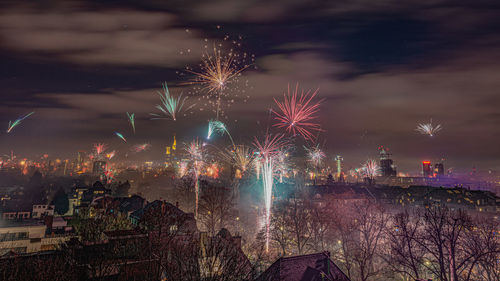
118 37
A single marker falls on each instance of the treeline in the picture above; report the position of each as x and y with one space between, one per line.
370 243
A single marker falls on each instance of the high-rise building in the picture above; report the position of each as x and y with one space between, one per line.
171 154
99 168
439 169
338 167
427 169
386 164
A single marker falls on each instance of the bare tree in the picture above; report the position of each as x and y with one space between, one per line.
404 254
361 230
216 208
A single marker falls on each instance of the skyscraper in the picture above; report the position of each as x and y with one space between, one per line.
427 169
338 167
439 169
386 164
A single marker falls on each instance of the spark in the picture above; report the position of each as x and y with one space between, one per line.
120 136
196 155
240 157
14 124
218 70
370 169
428 128
131 118
170 106
297 113
111 154
183 167
140 147
268 150
315 155
281 163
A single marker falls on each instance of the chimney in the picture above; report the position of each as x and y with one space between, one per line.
177 204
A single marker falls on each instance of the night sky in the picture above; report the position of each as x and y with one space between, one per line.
381 66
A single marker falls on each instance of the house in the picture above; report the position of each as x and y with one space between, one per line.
27 236
313 267
40 210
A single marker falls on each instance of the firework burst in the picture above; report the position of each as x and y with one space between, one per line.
218 127
140 147
240 157
131 119
315 155
298 112
428 128
182 169
18 121
196 155
370 169
170 106
220 69
100 148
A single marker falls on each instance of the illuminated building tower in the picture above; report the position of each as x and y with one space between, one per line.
439 169
338 167
386 164
99 168
427 169
170 154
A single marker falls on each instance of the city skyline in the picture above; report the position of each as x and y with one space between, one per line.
80 68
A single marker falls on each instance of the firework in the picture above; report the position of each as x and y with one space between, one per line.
111 154
297 113
217 127
315 155
140 147
131 119
196 155
14 124
268 149
428 129
218 70
170 106
100 148
370 169
183 167
240 157
281 163
120 136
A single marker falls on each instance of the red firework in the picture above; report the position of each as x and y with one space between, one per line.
270 145
298 113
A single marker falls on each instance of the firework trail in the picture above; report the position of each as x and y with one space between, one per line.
196 155
370 169
14 124
217 127
170 106
240 157
120 136
140 147
131 119
268 150
217 71
428 129
298 112
111 154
